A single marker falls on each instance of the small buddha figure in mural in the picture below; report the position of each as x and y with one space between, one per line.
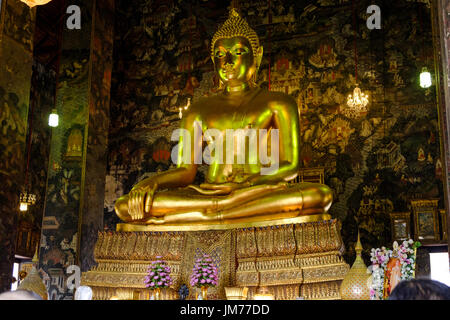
236 193
74 145
393 273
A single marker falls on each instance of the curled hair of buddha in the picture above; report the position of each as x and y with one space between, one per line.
236 26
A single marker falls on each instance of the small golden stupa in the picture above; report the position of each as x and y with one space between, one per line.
355 283
33 281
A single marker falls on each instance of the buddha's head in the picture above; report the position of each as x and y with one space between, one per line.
236 52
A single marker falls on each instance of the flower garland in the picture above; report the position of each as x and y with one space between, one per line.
204 273
158 275
407 256
380 257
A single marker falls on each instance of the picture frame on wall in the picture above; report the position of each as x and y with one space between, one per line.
426 223
400 226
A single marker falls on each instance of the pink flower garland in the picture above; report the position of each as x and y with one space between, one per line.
204 273
158 275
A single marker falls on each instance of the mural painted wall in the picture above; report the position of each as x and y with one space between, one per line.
77 166
41 103
375 163
96 153
16 41
59 243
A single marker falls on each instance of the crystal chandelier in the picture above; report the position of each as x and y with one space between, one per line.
357 103
26 199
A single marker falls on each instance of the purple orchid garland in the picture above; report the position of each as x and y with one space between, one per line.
158 275
204 273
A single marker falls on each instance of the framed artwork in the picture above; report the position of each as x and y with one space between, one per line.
400 226
443 215
426 223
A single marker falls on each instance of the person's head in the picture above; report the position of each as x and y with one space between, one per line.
420 289
236 52
19 295
83 293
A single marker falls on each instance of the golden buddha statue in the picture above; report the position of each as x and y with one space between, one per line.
234 194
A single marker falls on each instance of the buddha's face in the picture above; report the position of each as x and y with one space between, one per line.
234 61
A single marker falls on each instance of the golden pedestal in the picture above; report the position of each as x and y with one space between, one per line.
291 260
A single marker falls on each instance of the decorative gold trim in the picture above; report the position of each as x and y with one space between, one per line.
127 227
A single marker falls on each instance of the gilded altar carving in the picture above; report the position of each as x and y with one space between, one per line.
291 260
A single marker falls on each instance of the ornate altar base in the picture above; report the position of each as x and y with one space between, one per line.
291 260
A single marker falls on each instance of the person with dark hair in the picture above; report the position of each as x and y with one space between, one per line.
420 289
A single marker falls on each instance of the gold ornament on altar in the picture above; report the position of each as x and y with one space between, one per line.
204 293
32 3
33 281
233 194
263 293
355 284
357 103
236 293
292 260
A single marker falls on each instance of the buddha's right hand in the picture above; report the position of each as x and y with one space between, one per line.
140 200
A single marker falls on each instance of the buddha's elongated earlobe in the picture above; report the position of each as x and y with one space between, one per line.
258 57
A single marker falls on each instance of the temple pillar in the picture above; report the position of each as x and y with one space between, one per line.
77 167
17 22
443 65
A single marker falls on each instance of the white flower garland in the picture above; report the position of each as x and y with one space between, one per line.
380 257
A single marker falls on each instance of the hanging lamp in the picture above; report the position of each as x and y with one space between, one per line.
53 119
26 198
357 101
425 75
425 78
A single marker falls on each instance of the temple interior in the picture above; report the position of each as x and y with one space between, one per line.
98 187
